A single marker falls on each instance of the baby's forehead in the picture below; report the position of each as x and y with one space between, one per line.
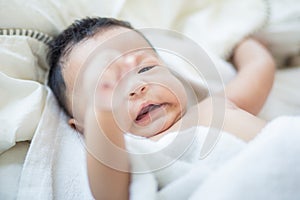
115 39
118 39
122 39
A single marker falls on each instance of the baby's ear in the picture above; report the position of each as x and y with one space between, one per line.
72 123
75 125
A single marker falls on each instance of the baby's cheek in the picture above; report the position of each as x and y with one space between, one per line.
123 117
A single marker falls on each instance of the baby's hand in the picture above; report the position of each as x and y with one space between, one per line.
97 89
250 51
98 86
253 82
99 81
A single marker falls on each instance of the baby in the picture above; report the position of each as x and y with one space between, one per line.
138 94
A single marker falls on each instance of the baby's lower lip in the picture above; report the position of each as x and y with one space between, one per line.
150 116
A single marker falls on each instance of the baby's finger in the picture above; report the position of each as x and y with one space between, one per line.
99 79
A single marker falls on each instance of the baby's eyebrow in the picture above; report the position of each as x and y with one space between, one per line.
151 52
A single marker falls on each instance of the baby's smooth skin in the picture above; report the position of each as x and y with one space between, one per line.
152 102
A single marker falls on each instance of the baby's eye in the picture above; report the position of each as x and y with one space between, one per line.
144 69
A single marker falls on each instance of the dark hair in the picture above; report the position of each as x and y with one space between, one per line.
61 45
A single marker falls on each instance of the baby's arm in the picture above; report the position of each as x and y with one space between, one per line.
255 65
107 159
105 152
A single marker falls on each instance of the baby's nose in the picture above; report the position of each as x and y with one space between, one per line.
139 91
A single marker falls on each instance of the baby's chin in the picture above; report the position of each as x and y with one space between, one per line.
154 129
146 132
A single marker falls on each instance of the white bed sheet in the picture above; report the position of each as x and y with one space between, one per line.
11 163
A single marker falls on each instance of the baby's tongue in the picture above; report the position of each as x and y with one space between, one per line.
146 110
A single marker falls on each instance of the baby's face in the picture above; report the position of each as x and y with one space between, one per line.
130 79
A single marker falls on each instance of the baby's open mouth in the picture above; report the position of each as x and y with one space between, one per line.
147 109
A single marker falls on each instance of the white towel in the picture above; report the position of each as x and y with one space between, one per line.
164 166
55 166
265 168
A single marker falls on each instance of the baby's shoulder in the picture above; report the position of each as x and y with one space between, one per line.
234 120
216 102
210 108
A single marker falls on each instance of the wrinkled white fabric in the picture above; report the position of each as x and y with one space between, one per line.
159 166
264 168
22 74
55 166
267 168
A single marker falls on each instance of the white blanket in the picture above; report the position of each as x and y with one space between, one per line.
265 168
55 166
